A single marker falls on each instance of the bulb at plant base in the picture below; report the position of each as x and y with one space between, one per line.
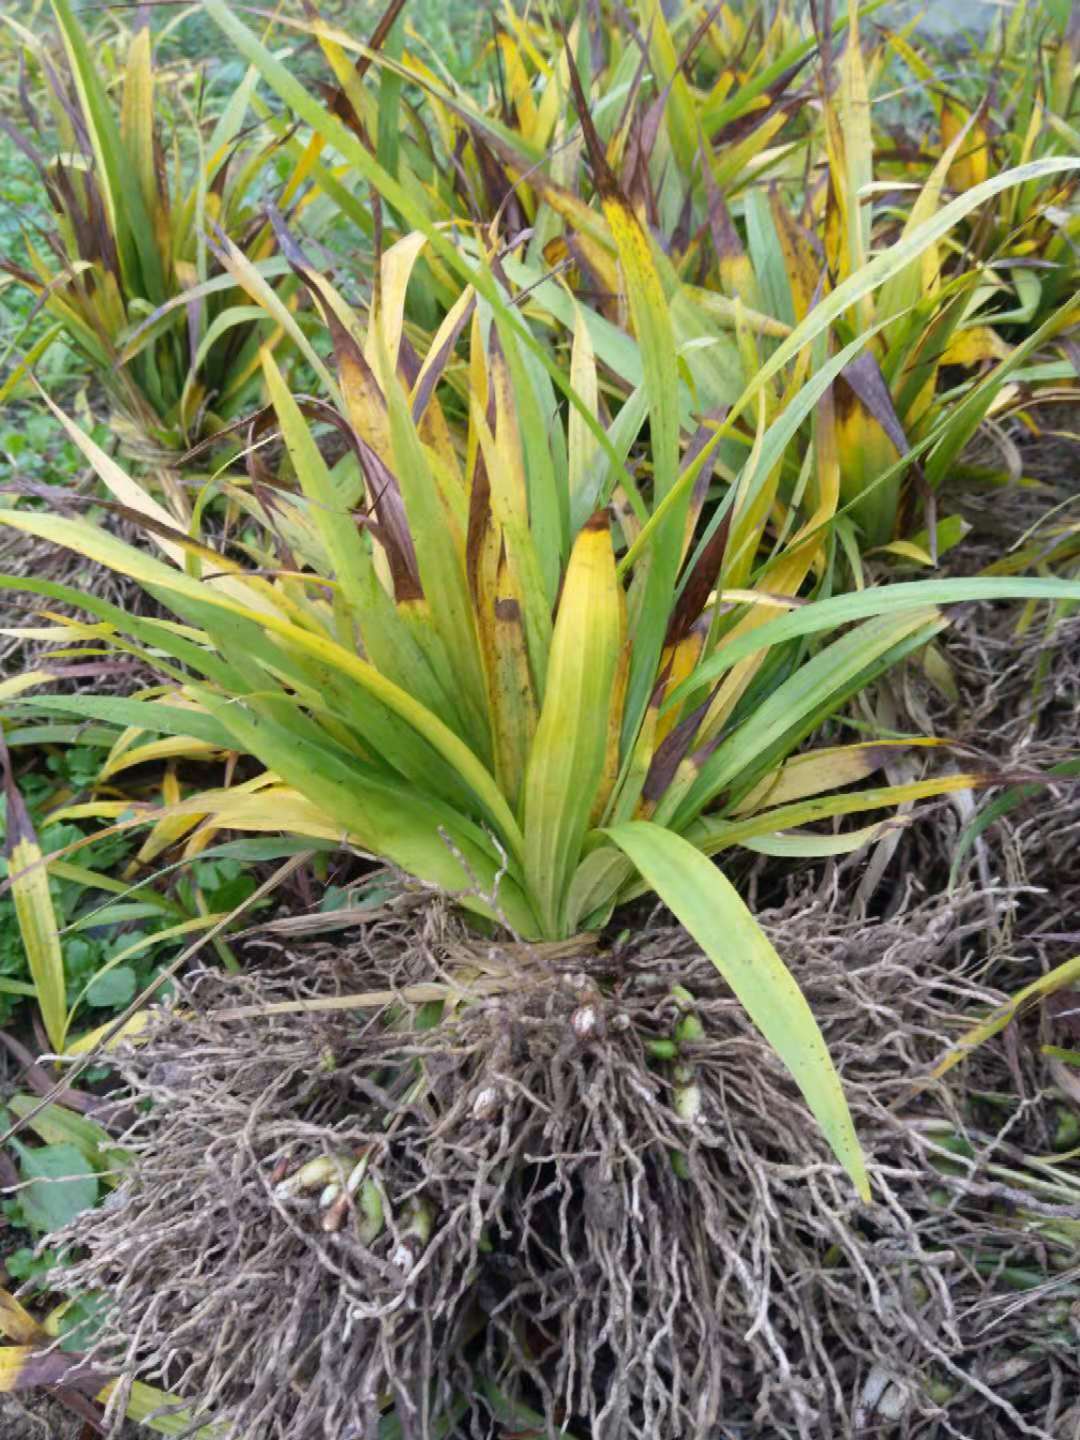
314 1175
486 1102
414 1236
687 1094
585 1022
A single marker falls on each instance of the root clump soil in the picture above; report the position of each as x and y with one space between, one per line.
568 1218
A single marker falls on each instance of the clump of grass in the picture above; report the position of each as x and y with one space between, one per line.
1027 239
711 130
134 269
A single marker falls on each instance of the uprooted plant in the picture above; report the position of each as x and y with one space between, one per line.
397 671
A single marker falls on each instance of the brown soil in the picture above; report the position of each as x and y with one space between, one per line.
39 1418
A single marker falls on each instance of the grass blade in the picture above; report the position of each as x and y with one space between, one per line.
566 764
34 911
1067 973
705 902
839 610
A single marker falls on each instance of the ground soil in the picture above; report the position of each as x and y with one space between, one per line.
39 1418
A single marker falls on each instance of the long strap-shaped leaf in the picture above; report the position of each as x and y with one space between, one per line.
799 697
441 560
566 764
839 610
387 641
34 909
705 902
422 835
652 318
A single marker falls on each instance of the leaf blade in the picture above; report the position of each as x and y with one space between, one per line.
566 762
34 911
706 903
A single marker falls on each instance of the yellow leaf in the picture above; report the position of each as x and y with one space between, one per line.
800 263
973 345
820 770
133 1029
170 747
566 764
34 911
511 695
16 1322
682 658
582 443
388 312
16 684
37 926
1061 976
13 1361
972 165
137 116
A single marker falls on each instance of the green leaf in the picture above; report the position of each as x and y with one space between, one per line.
34 912
652 320
840 610
185 592
704 901
131 225
389 118
114 989
63 1185
1001 805
819 682
165 1414
255 850
1059 11
57 1125
394 820
441 564
82 1321
762 461
875 272
863 282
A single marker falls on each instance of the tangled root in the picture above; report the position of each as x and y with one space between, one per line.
575 1228
1017 715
